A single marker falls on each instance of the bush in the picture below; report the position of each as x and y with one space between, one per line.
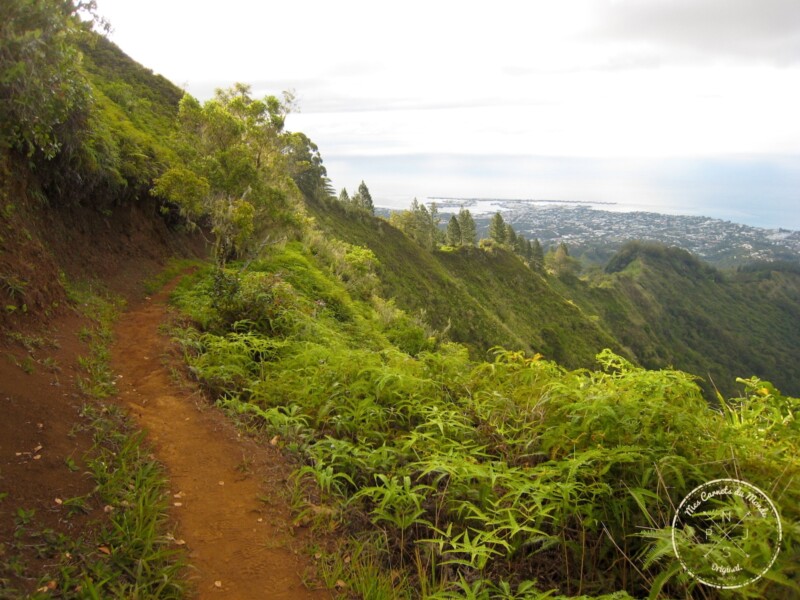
510 477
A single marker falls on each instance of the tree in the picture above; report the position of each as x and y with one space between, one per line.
404 220
469 232
562 263
537 256
305 167
528 252
423 226
436 234
497 228
344 197
419 223
233 167
521 246
511 236
453 232
44 96
365 198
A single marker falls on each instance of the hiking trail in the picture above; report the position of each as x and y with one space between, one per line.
228 494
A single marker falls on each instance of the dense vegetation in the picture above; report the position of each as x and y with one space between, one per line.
658 306
481 297
472 417
671 310
462 478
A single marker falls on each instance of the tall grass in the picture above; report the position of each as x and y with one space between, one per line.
134 556
512 478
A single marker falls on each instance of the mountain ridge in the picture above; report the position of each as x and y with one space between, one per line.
483 297
414 387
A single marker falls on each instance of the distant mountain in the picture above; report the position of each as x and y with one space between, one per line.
670 309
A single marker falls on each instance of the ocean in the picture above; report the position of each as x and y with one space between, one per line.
757 191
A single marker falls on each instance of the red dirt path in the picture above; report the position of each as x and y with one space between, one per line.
229 493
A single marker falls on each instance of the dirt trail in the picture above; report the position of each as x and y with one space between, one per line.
227 491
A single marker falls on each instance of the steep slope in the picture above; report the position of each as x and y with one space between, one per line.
133 120
659 306
670 309
483 298
435 467
88 211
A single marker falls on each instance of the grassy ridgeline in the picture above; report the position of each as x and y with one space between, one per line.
461 478
658 306
671 310
483 298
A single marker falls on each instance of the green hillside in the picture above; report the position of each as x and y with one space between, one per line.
671 310
461 478
463 425
659 306
134 116
481 298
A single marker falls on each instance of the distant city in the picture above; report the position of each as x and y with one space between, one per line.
596 234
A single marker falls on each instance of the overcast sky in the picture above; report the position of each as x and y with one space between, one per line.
661 103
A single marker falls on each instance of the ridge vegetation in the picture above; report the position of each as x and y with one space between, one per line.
475 419
671 310
455 477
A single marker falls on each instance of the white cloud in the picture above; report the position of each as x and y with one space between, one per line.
740 31
585 78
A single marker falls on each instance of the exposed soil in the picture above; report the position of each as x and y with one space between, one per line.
41 450
229 494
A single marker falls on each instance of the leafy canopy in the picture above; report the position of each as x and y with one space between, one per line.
234 169
43 92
